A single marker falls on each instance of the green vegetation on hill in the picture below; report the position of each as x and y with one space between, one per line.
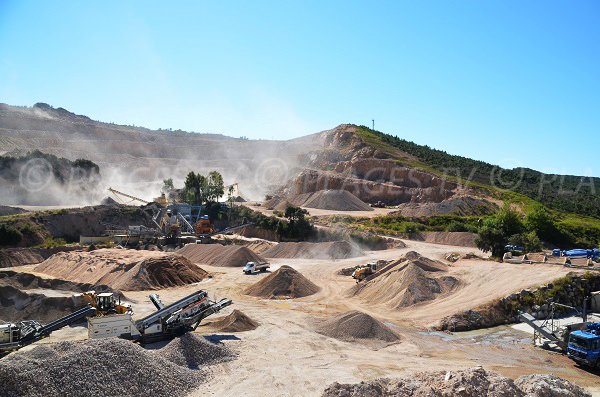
562 192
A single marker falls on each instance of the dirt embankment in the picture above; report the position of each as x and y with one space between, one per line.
406 282
12 257
27 281
355 325
285 283
219 255
69 224
17 305
474 382
105 366
126 270
459 239
7 210
307 250
237 321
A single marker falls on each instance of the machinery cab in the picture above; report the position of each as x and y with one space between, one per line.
105 302
250 267
584 345
362 272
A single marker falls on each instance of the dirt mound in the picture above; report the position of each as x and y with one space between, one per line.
406 282
337 200
326 250
235 322
194 352
459 239
12 257
474 382
219 255
25 281
126 270
101 367
17 305
285 283
356 325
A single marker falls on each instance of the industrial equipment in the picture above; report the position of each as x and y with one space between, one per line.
252 267
167 322
106 303
363 271
15 336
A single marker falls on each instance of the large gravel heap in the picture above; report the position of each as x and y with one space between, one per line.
336 200
194 352
127 270
107 368
285 283
219 255
237 321
307 250
356 325
410 280
475 382
17 305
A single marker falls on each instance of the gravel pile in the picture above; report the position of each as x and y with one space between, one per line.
95 368
306 250
219 255
475 382
356 325
407 281
25 281
237 321
285 283
548 385
336 200
127 270
194 352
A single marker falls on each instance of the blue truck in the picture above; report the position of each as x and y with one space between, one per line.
584 345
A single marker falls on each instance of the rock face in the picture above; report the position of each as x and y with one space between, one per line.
475 382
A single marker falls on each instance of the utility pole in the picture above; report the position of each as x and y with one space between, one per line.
373 121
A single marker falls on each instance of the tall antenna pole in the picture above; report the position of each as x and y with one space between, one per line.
373 121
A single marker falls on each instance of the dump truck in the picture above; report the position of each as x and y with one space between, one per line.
165 323
584 345
253 267
14 336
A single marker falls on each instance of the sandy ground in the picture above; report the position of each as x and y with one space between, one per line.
285 357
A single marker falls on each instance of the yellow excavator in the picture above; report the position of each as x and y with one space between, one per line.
106 303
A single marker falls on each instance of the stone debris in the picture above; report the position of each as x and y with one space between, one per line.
473 382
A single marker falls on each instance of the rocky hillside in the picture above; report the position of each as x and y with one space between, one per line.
347 162
130 156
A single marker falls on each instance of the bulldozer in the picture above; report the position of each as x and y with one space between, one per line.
106 303
363 271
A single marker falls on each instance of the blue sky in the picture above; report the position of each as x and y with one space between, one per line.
515 83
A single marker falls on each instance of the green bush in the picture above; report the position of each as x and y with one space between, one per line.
9 236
